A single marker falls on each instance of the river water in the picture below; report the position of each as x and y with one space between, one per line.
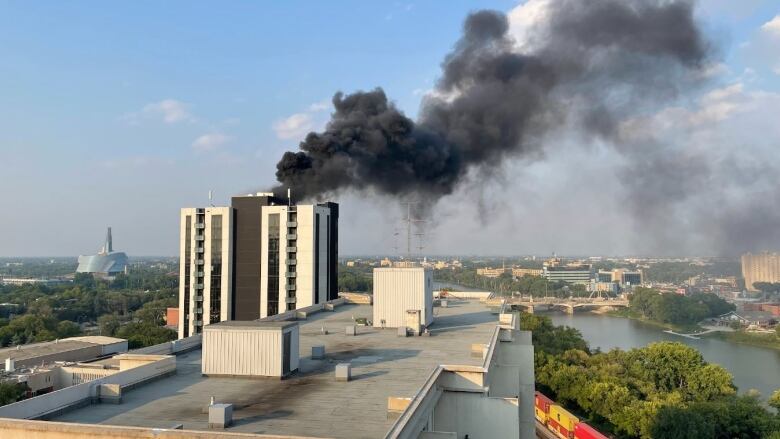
752 367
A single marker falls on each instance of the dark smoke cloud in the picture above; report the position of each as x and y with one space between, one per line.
594 63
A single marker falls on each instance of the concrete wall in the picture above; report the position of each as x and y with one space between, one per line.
172 347
397 290
25 429
58 400
476 416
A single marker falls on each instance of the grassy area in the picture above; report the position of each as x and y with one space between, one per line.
629 314
750 338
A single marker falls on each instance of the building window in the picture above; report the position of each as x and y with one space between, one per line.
272 295
317 258
215 291
187 268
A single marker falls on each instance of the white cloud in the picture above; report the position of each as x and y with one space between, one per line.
210 142
319 106
170 110
298 125
772 27
293 127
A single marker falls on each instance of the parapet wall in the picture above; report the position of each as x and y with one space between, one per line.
25 429
40 407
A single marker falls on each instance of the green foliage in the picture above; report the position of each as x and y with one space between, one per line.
731 417
109 324
355 279
10 392
774 400
679 272
33 328
536 286
677 309
154 312
48 312
663 391
144 334
767 287
549 338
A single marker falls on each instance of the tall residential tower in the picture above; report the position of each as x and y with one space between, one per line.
205 267
275 256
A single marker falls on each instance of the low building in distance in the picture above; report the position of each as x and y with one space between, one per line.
106 264
259 257
763 267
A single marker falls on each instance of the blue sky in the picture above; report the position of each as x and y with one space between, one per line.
119 113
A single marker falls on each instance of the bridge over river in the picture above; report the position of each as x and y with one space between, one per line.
569 305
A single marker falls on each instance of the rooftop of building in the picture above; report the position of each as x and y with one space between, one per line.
311 402
34 350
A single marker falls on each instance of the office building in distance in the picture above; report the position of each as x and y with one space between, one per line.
763 267
576 274
107 263
259 257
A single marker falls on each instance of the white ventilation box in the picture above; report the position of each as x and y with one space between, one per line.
398 290
250 349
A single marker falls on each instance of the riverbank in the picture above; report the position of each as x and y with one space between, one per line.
628 314
746 338
770 341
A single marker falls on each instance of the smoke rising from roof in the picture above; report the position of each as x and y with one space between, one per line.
596 68
592 62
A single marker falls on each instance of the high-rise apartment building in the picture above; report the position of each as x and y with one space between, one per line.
279 257
763 267
205 268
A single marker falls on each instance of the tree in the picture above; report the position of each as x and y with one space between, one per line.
108 323
10 392
154 312
67 328
140 335
774 400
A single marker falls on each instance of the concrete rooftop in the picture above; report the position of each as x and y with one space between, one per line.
312 402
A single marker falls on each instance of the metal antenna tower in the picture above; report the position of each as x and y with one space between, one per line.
409 220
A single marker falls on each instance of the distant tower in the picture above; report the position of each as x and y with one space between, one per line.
108 247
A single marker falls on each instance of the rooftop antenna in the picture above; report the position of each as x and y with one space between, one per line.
289 197
409 221
211 198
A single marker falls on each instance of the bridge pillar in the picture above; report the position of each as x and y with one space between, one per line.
569 309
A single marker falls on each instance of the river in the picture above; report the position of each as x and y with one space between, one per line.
752 367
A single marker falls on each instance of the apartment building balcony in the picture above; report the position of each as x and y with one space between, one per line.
292 249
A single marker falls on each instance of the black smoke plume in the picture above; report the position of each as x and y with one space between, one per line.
589 63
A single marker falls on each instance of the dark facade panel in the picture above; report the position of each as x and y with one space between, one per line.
333 251
247 255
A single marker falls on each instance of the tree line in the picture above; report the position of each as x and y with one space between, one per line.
675 308
33 313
